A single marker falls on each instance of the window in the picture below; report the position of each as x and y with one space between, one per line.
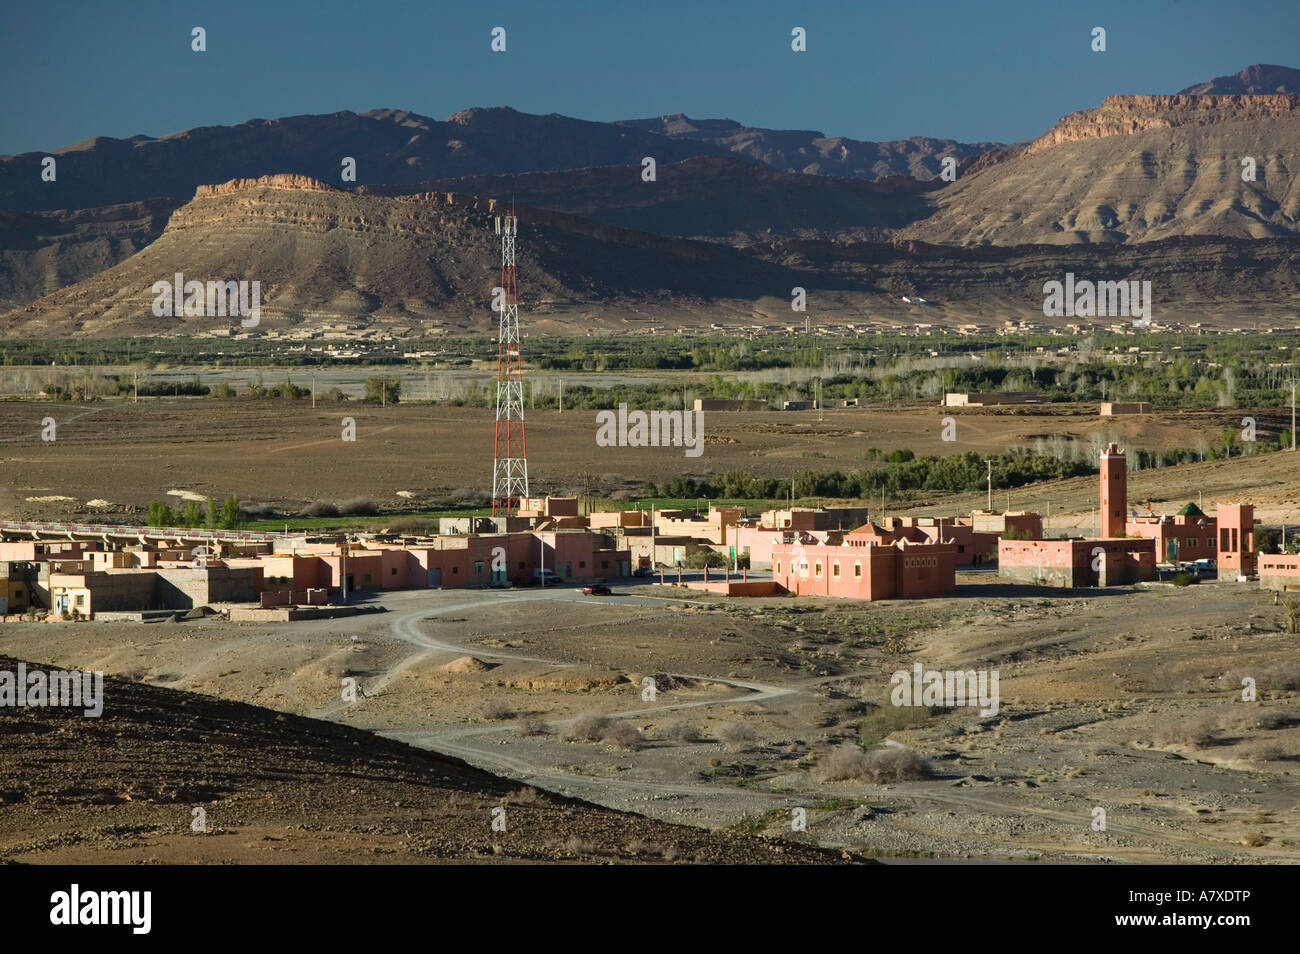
857 569
478 567
778 568
81 600
835 568
818 568
582 564
394 571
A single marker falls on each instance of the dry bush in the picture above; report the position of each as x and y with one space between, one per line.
1198 731
527 796
1267 719
1284 676
621 734
497 711
845 763
681 732
319 508
530 726
587 727
736 736
882 766
358 507
579 846
898 765
1261 751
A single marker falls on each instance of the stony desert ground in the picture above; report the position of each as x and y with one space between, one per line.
1123 700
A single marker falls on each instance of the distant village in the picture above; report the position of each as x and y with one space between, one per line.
70 572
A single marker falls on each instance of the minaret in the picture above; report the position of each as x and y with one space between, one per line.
1114 491
510 460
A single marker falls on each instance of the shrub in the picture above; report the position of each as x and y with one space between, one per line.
1198 731
358 507
319 508
587 727
681 732
881 766
530 726
1184 578
736 736
621 734
497 711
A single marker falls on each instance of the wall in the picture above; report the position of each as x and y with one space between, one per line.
1279 571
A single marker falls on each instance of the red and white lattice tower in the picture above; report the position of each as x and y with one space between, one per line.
510 461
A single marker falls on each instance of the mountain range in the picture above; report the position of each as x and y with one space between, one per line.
733 217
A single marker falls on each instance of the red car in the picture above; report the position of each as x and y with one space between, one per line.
598 589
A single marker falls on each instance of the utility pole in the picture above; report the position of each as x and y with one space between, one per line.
1293 413
989 461
343 568
313 391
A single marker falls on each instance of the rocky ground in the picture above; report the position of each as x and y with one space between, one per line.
1124 701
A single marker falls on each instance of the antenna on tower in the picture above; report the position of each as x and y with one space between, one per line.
510 459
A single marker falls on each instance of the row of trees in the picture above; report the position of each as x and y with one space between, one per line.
193 515
958 473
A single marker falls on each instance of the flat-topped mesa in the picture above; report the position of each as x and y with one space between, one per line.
281 180
1126 115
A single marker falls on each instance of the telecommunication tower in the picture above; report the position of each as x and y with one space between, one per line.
510 460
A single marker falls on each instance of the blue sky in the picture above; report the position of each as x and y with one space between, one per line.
965 70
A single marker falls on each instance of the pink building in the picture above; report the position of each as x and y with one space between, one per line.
861 569
1113 560
1236 524
1186 536
1072 563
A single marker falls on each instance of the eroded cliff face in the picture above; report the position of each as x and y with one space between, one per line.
283 181
314 206
1126 115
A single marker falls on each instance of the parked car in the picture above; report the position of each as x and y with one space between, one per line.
597 589
644 571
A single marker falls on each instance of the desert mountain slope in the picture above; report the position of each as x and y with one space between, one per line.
41 252
715 197
810 151
428 263
1135 169
389 146
323 254
1260 78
